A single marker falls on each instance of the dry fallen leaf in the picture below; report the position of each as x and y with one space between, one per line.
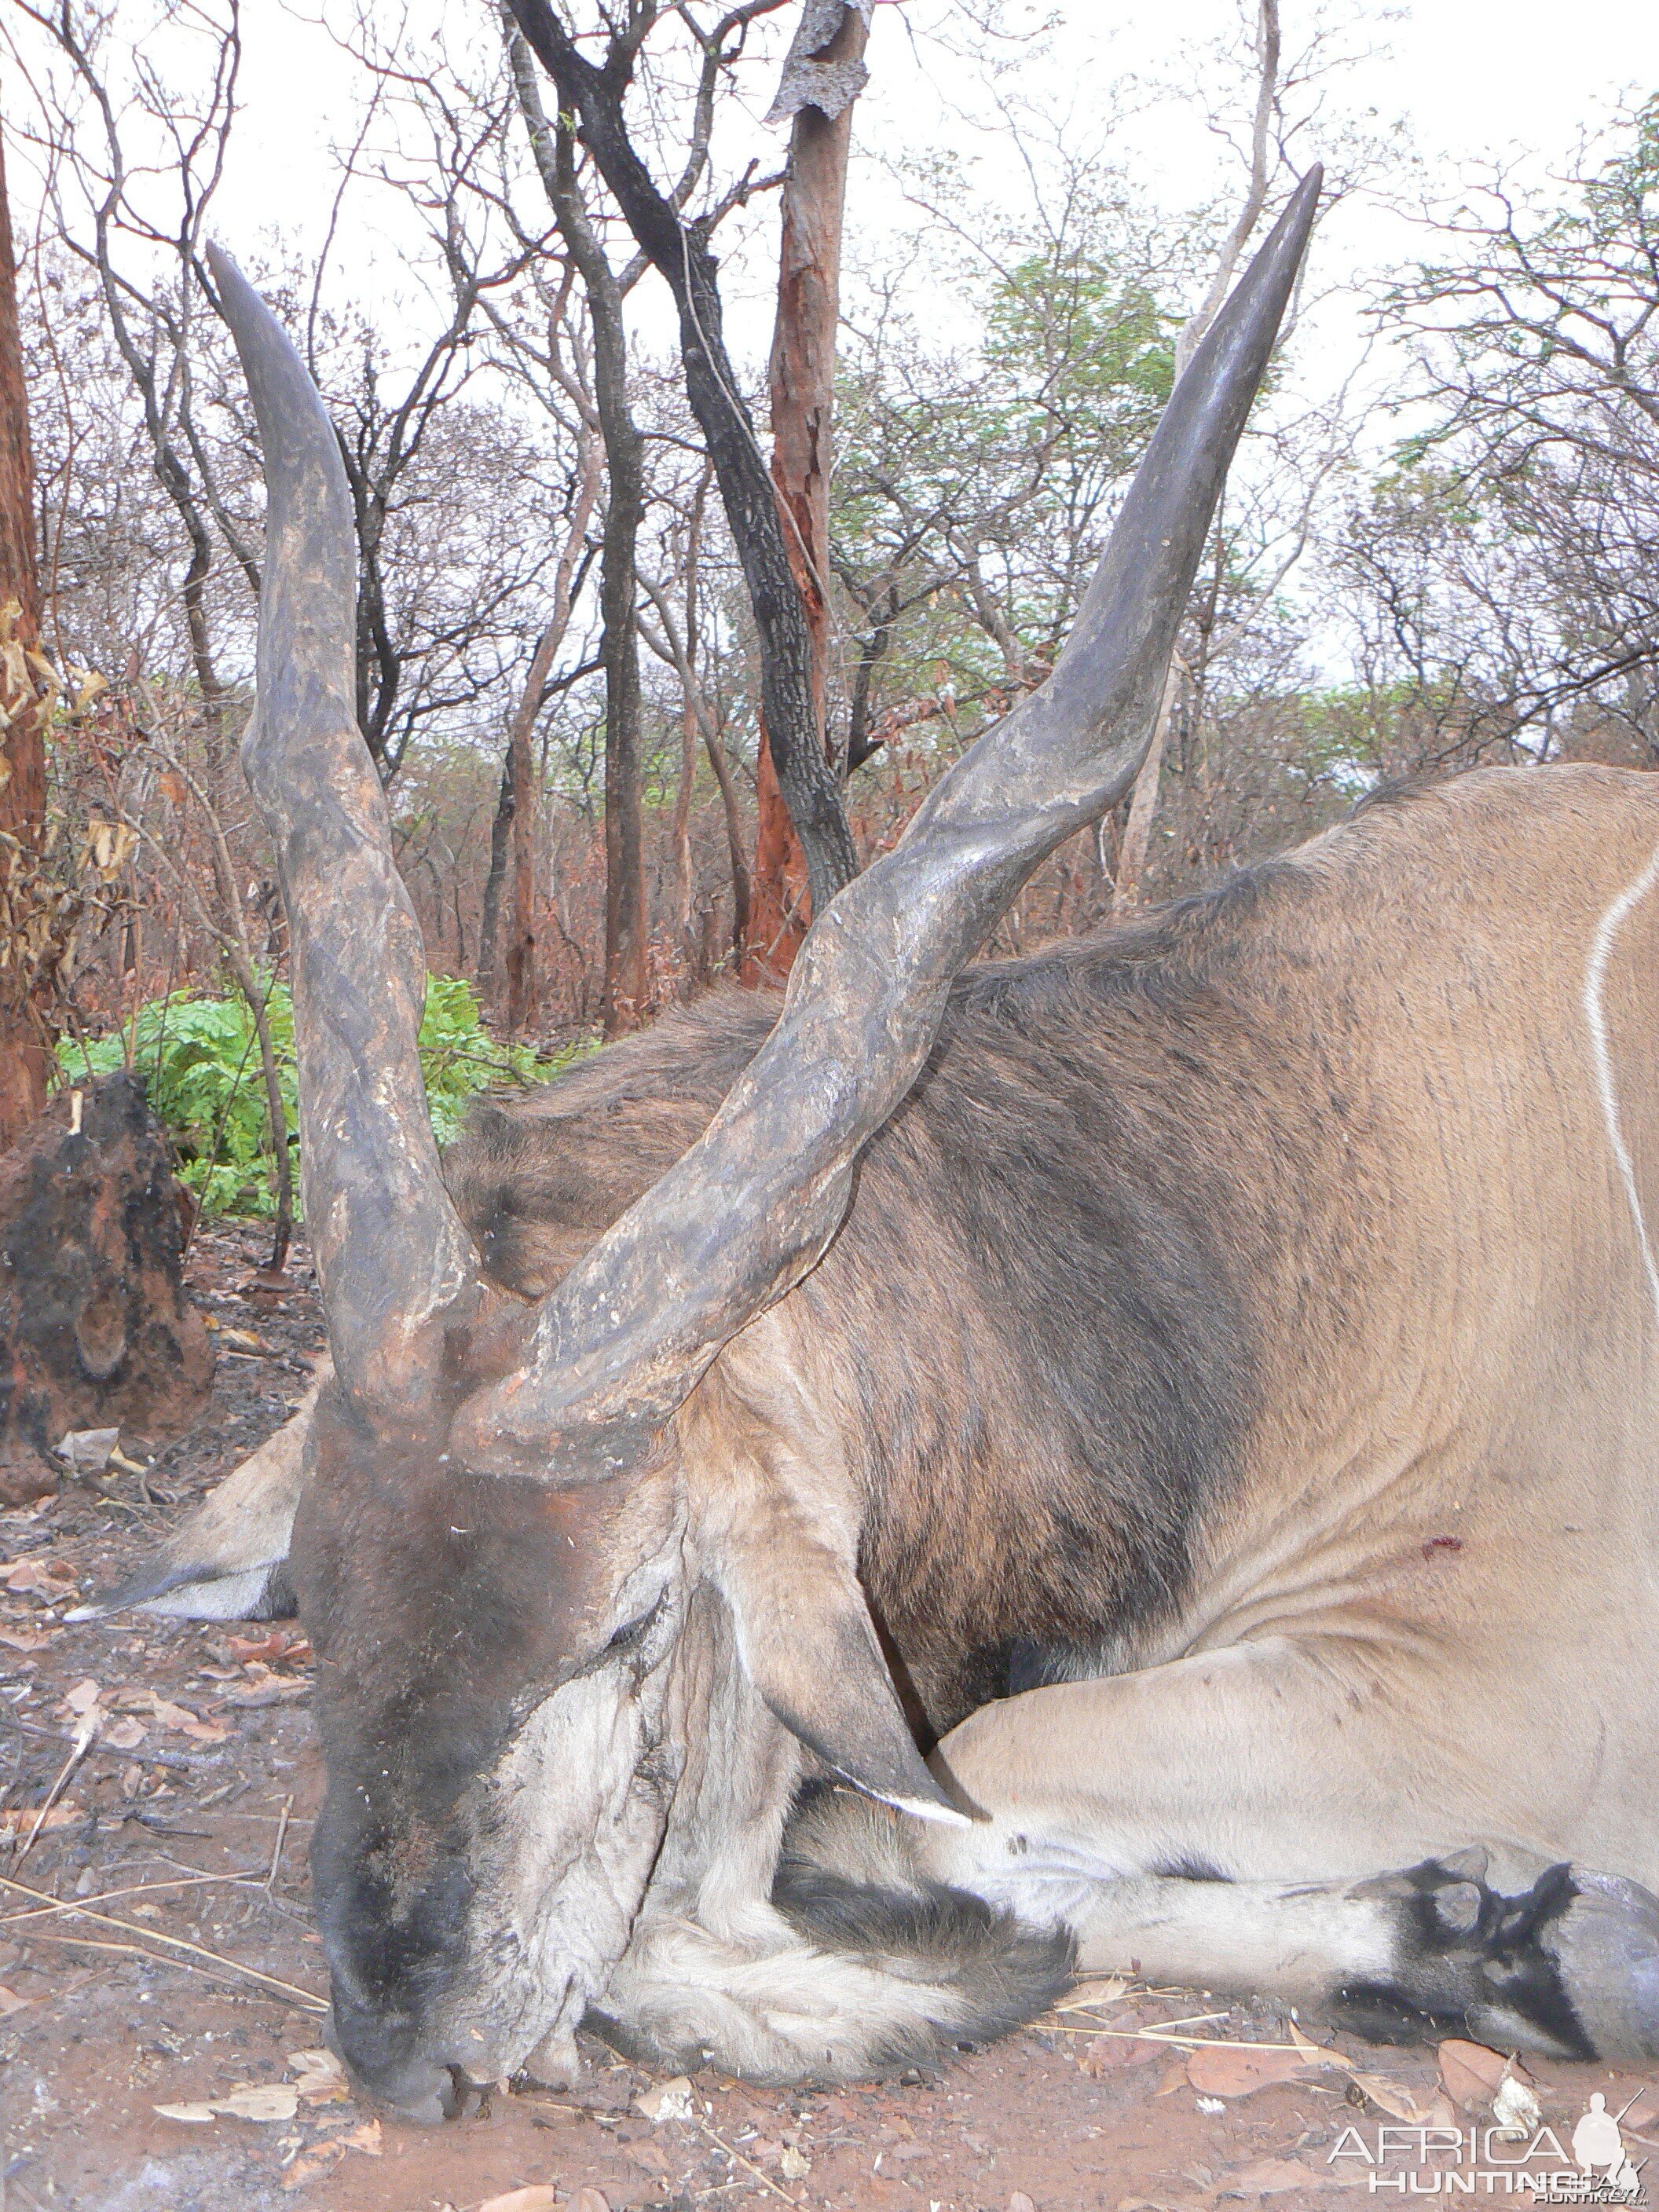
196 2115
1470 2072
125 1735
1083 1995
310 2164
1475 2077
366 2138
322 2078
1269 2176
1234 2070
88 1450
1439 2112
1395 2098
1105 2054
10 2001
284 1645
1517 2109
27 1639
595 2200
274 2100
794 2164
186 1722
18 1819
667 2101
274 1690
43 1577
541 2197
1019 2202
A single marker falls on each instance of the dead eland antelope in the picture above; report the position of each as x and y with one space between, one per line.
1201 1385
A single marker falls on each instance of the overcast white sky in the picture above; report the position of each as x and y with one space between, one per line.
1455 84
1465 78
1461 80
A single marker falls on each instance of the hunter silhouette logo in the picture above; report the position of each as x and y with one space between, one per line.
1599 2149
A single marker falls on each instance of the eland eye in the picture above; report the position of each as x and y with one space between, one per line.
632 1632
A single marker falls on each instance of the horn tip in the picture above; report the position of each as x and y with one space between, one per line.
1305 197
234 286
924 1808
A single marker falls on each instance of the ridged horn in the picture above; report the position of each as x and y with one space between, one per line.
750 1207
392 1256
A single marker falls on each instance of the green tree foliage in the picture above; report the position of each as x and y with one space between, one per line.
201 1061
973 490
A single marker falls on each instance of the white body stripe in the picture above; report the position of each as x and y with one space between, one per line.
1596 1017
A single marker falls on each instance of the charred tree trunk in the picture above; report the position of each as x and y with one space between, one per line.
522 994
25 978
519 784
681 252
96 1330
501 845
803 391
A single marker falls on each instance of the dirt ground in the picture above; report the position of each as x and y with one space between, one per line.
156 1952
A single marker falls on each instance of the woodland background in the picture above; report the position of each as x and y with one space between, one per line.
1440 546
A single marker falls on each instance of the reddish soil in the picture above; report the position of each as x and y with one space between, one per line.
191 1817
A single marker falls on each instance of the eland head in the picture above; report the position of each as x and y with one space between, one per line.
553 1593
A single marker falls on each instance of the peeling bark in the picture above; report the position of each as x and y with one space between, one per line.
803 386
25 1032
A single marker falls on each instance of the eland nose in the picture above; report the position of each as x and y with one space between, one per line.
382 2060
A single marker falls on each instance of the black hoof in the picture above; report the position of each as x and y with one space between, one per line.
1469 1961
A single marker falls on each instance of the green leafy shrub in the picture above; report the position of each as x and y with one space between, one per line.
200 1057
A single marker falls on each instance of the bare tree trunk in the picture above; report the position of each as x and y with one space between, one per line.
688 717
25 1030
1144 804
625 924
671 648
521 991
522 996
594 95
740 892
803 388
501 840
625 927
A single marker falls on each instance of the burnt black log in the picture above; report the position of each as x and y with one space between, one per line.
96 1328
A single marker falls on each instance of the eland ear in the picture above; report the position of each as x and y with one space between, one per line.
228 1560
809 1647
